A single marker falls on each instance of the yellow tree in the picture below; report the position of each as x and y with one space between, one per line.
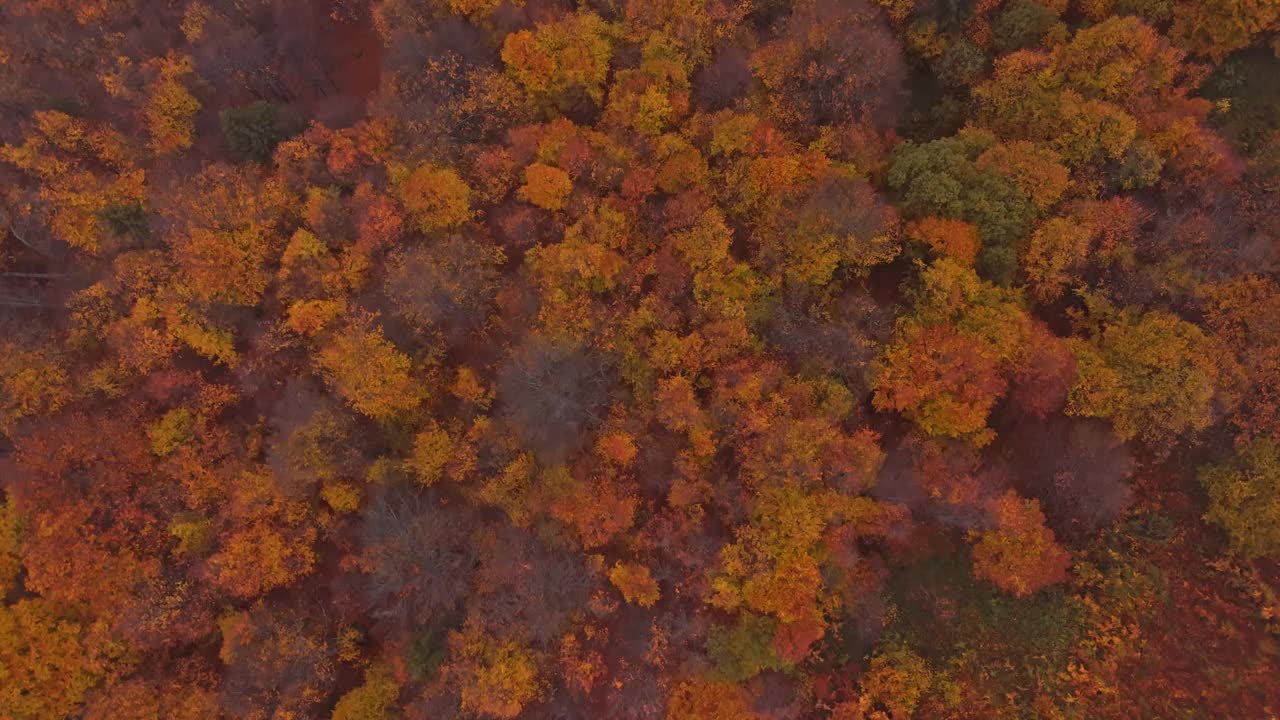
10 537
556 58
546 186
897 679
227 218
709 700
499 677
1054 250
47 662
375 699
1219 27
32 382
85 172
1152 374
263 557
635 583
170 107
368 371
436 198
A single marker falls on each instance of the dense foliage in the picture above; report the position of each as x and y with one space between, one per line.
639 359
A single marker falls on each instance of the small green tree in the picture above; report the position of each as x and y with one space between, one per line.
1022 23
745 649
252 131
944 179
1244 497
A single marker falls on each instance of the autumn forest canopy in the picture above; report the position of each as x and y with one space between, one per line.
639 359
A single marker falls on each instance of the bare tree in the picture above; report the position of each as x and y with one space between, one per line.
552 396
